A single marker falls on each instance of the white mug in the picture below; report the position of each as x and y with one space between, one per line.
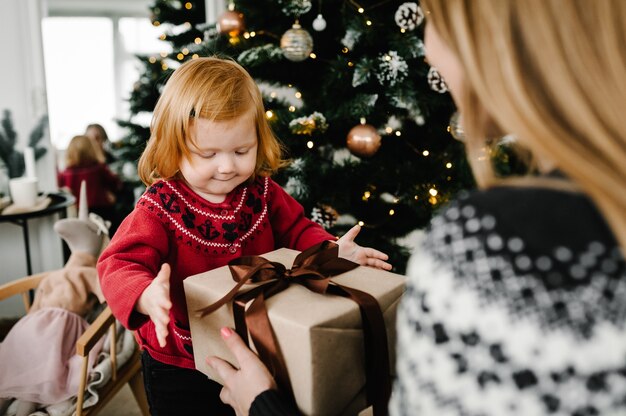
23 191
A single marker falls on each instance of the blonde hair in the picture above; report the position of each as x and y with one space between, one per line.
83 151
554 73
211 88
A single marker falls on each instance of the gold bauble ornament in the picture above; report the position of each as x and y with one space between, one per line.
231 23
363 140
296 43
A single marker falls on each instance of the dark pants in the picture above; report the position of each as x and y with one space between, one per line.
176 391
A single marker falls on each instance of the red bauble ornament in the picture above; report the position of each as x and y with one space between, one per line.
363 140
231 23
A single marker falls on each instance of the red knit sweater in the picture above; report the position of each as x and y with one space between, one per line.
172 224
101 183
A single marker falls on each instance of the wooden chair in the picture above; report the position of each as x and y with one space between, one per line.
129 373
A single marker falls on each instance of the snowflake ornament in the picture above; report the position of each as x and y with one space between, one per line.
409 16
392 69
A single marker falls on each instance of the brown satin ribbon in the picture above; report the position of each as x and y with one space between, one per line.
313 269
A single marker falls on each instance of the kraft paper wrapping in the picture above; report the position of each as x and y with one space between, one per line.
319 335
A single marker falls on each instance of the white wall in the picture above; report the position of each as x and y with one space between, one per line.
22 91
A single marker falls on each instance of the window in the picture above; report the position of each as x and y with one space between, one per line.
90 70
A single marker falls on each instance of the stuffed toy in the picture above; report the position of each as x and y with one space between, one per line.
38 360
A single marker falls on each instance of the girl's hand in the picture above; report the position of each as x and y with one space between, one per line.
155 302
241 386
365 256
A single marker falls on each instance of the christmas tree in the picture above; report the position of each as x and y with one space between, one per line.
349 93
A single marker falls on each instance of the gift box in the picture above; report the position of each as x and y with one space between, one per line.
320 336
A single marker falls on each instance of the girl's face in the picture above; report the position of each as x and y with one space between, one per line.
222 156
441 57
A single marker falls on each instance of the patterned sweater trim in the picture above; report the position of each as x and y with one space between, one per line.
498 319
177 207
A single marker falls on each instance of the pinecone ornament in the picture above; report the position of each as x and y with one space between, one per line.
409 16
436 81
324 215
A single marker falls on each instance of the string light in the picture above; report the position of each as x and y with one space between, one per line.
246 35
252 34
366 195
185 51
197 41
350 64
388 129
180 56
164 66
292 108
163 36
298 94
187 25
432 191
398 133
361 223
273 94
387 58
312 55
416 197
156 23
361 10
368 22
448 165
432 200
309 144
402 30
163 54
345 50
152 59
188 6
391 212
195 56
425 152
269 114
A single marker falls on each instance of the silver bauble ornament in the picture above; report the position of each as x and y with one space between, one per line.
319 23
296 43
363 140
455 127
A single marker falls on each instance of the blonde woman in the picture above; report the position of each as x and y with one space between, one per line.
515 302
85 162
210 200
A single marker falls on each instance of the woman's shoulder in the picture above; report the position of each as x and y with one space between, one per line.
514 296
523 219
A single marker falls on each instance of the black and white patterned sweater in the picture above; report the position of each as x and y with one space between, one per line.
515 305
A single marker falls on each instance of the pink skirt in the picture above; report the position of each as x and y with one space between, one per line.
38 361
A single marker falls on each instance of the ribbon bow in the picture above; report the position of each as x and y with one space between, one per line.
312 269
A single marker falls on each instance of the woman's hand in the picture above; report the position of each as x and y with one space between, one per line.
365 256
241 386
155 302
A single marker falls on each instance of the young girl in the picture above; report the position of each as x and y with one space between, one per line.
85 162
210 200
